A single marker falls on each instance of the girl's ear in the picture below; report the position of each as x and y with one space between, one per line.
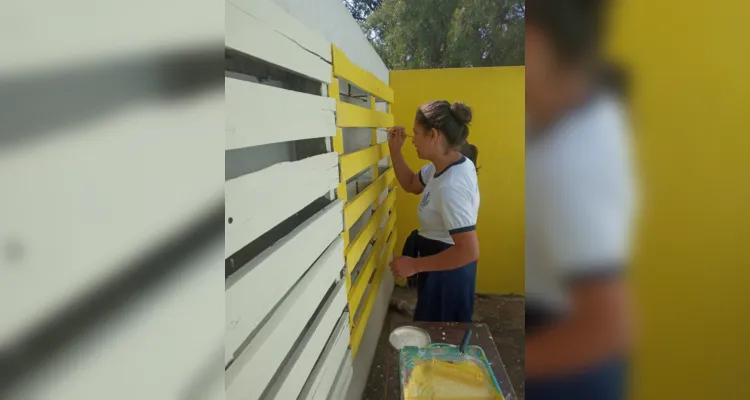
434 135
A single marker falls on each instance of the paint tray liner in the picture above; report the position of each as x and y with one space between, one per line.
441 371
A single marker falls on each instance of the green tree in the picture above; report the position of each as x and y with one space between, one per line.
361 9
411 34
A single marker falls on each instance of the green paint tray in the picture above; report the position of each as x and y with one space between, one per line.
410 357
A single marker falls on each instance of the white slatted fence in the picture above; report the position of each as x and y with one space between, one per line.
286 306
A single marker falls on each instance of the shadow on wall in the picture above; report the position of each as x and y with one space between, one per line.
496 96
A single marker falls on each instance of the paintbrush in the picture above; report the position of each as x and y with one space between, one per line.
465 341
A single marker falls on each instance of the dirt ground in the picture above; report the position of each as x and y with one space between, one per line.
504 315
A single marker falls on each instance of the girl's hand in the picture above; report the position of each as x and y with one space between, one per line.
396 138
403 267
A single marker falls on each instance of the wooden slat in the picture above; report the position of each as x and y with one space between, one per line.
259 201
374 140
269 13
353 163
291 380
338 139
334 90
81 203
354 209
160 344
264 30
361 321
344 377
261 114
361 364
338 147
352 116
373 262
359 244
258 286
360 285
345 69
320 382
253 370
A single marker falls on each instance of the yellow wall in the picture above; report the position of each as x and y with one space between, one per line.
496 96
691 70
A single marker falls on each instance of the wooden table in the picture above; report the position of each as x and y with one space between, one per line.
452 333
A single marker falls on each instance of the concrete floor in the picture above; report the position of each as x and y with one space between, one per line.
504 316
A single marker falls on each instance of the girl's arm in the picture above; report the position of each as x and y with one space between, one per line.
466 250
458 212
599 327
457 209
408 180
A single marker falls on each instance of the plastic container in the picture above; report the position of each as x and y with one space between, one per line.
442 372
409 336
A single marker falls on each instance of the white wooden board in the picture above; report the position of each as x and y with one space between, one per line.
264 30
259 201
260 114
86 200
341 385
270 13
320 382
258 286
38 37
161 345
300 365
250 373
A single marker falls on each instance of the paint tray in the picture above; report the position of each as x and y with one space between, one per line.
441 371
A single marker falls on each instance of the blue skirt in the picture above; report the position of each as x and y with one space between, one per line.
442 296
606 381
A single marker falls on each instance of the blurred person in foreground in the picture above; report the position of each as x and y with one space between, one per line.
580 204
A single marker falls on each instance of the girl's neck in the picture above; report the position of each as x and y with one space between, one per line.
443 161
573 95
555 115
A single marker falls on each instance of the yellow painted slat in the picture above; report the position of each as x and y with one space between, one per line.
338 147
353 163
354 252
345 69
358 288
390 225
338 141
341 192
362 201
352 116
360 285
375 169
359 328
333 89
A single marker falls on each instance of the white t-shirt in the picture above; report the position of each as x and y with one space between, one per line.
580 201
450 200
